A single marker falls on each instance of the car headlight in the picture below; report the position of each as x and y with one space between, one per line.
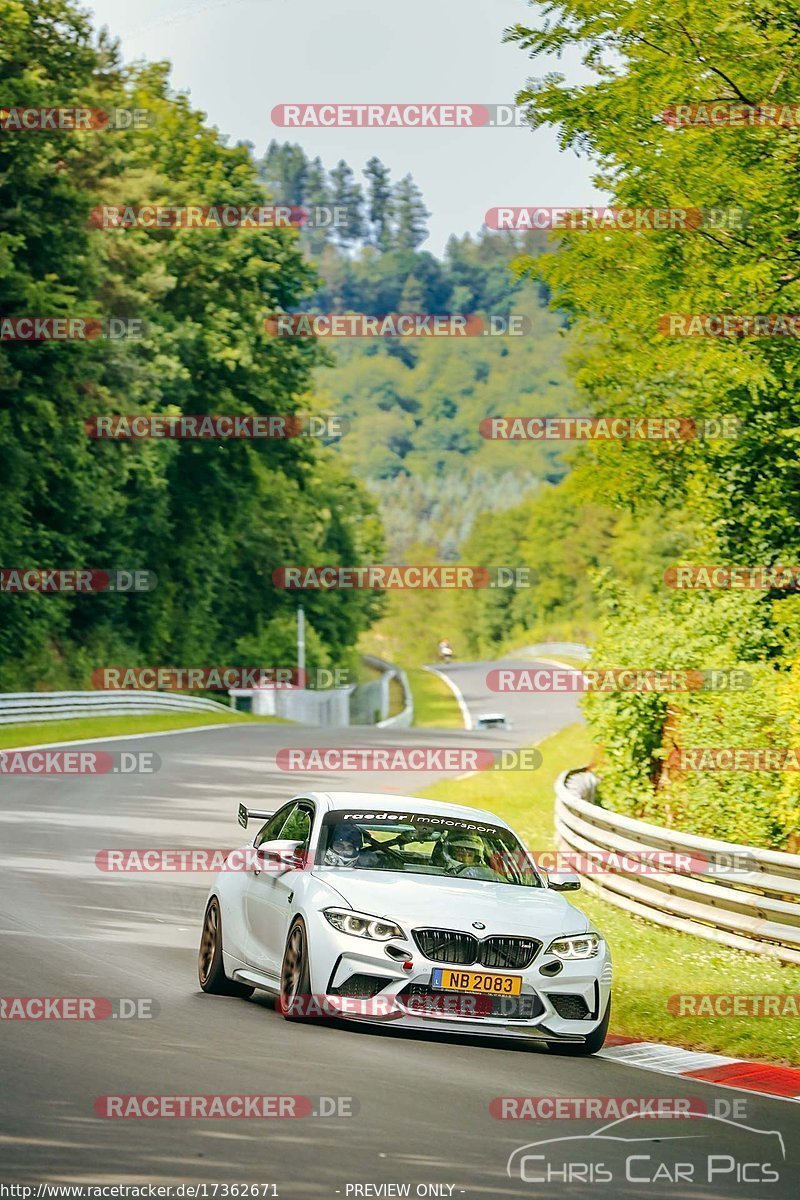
362 924
579 945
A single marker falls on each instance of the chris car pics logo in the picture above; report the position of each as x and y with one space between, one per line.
636 1150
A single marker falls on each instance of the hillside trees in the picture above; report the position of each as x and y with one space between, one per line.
212 519
740 496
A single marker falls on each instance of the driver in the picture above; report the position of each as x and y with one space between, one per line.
459 850
348 848
344 847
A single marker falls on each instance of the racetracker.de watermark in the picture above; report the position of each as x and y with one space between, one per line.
390 578
78 762
217 678
155 860
729 325
217 216
734 758
641 861
78 1008
209 1107
730 115
392 1007
413 115
611 1108
624 220
732 1004
604 429
70 329
616 679
21 119
731 577
74 580
206 426
397 325
409 758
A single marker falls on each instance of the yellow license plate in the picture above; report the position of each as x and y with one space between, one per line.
477 981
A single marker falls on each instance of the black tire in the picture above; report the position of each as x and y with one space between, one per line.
593 1043
210 969
295 972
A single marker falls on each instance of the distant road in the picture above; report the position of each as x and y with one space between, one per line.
533 715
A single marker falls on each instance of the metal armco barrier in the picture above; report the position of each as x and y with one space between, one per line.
745 897
389 671
18 707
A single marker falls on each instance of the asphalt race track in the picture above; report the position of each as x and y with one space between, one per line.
422 1101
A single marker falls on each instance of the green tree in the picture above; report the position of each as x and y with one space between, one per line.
411 215
317 195
738 496
347 195
285 171
379 203
212 519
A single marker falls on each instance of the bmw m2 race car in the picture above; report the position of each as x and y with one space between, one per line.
408 912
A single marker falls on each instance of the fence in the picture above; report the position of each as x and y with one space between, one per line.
16 707
735 895
335 708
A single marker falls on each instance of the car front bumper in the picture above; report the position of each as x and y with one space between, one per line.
405 999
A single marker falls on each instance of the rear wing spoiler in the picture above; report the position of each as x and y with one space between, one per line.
246 813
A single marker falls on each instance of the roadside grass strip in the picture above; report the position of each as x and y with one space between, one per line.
87 728
435 704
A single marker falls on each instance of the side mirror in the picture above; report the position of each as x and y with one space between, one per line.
564 883
281 855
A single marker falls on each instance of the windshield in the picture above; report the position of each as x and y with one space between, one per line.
422 844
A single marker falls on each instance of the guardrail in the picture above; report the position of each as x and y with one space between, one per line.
735 895
389 671
16 707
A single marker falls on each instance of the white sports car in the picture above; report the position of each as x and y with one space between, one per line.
409 912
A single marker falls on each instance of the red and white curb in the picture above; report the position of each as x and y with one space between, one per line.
767 1080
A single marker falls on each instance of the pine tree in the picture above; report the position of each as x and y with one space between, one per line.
411 215
347 194
380 207
317 196
283 170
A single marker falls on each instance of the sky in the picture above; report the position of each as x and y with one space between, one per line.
240 58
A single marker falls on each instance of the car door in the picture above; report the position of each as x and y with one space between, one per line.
270 886
269 832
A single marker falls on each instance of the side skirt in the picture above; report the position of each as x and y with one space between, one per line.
267 983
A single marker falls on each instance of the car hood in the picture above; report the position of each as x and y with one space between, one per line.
432 900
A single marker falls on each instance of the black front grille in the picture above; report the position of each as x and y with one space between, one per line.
571 1008
510 952
421 1000
462 949
360 986
447 945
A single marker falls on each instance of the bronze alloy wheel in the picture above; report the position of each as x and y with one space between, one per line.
210 966
295 973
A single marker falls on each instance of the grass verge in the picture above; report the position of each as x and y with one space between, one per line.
94 727
434 702
650 963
